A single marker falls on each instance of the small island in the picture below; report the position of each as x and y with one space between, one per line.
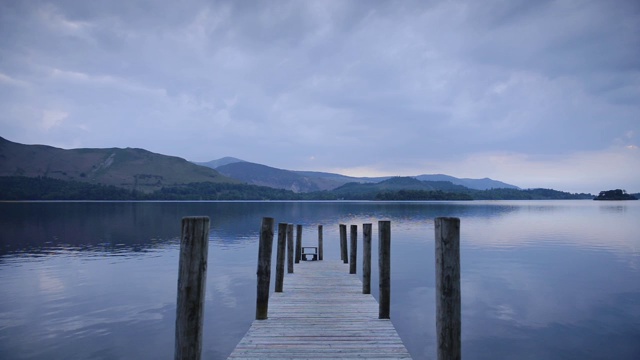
615 195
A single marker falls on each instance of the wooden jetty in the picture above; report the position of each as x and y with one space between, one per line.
321 314
322 310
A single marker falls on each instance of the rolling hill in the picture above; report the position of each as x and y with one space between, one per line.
396 184
309 181
477 184
131 169
219 162
262 175
39 172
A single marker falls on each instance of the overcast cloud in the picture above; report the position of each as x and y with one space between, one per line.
534 93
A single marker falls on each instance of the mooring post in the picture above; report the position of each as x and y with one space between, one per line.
265 249
290 249
353 261
384 265
320 245
366 258
298 243
192 278
280 256
448 297
343 243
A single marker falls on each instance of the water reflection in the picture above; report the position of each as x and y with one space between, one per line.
540 279
611 208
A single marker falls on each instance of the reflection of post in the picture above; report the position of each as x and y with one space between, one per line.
366 258
320 245
298 243
354 249
282 239
343 243
384 265
264 268
290 248
192 278
448 299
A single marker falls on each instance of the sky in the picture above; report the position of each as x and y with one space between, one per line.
533 93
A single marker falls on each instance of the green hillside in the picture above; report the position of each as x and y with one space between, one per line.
408 188
371 190
131 169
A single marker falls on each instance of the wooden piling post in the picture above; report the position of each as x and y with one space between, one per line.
448 297
280 256
298 243
192 278
366 258
343 243
320 244
290 249
353 260
265 249
384 265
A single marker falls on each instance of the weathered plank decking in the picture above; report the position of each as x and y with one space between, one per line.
322 313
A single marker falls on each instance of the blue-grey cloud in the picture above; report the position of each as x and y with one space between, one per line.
382 87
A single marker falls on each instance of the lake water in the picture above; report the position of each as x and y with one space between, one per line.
540 279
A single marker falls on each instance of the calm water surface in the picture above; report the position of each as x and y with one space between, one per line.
540 279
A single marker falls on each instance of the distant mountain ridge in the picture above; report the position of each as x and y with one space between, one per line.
39 172
262 175
309 181
477 184
396 184
132 169
141 170
219 162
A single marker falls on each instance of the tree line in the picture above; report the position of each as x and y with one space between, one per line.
44 188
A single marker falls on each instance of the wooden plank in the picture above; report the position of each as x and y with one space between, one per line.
322 314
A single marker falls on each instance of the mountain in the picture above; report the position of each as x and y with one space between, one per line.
220 162
132 169
296 181
366 190
341 179
257 174
39 172
409 188
308 181
477 184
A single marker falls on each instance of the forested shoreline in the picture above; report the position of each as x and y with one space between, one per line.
15 188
